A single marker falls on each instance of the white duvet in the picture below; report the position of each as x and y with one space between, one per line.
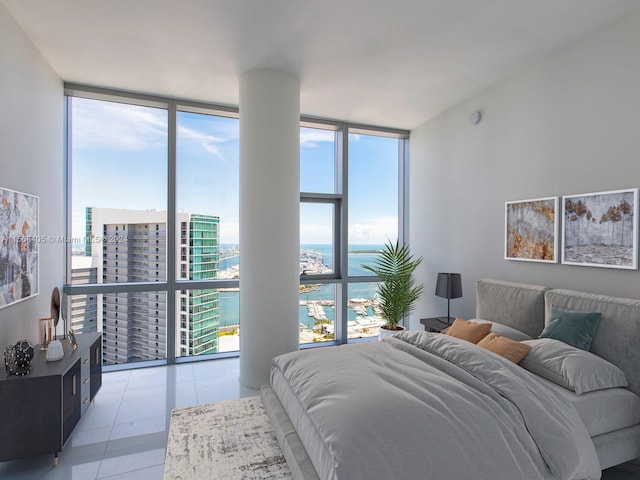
429 406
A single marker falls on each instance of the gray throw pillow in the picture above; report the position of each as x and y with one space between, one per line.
504 330
572 327
571 367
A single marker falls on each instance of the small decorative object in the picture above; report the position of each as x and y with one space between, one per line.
55 310
17 358
72 340
449 285
63 311
45 332
531 230
26 347
55 351
601 229
55 305
397 290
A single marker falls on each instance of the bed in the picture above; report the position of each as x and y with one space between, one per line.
425 405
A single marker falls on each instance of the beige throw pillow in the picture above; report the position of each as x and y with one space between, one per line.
509 349
470 331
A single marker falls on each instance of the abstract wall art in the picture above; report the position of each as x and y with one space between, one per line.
531 230
18 246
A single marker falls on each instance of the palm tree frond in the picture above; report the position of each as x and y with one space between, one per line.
397 291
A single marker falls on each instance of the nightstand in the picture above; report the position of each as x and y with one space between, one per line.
435 324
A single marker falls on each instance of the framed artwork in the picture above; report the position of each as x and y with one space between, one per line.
18 246
601 229
531 230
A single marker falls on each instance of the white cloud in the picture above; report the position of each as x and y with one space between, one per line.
131 127
314 233
376 230
117 126
208 142
310 137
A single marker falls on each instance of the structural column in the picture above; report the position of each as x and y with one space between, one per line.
269 220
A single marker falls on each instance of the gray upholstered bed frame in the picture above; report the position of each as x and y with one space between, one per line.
617 339
526 308
518 305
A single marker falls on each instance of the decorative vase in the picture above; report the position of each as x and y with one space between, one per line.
387 332
45 332
17 358
54 351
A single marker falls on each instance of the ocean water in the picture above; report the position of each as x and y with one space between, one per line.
358 254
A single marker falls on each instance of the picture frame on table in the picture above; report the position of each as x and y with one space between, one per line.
72 340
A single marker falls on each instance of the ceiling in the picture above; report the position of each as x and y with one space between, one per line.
393 63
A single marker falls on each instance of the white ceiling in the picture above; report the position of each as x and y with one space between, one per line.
394 63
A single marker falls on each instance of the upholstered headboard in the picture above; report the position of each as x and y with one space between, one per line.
617 338
527 308
517 305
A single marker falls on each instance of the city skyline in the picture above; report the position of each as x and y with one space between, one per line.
134 324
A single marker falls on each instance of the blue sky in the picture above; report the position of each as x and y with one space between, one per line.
120 161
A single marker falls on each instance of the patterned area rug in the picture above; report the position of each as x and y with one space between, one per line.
224 440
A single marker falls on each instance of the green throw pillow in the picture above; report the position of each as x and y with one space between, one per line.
572 327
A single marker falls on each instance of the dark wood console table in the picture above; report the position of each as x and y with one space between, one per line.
41 409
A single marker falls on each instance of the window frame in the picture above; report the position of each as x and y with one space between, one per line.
172 285
341 278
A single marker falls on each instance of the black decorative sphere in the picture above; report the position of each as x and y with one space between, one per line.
26 347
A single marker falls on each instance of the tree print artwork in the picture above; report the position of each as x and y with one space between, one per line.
600 229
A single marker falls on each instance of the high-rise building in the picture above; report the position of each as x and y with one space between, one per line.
130 246
83 314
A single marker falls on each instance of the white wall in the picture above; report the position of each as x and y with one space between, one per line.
31 161
570 124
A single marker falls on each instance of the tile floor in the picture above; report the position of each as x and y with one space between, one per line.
123 435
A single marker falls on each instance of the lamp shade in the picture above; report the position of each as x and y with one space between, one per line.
449 285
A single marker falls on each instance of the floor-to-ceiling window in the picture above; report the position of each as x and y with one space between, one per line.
207 202
351 202
153 204
153 216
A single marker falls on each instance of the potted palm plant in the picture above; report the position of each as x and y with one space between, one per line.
397 290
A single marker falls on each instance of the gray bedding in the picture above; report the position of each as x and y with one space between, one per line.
424 405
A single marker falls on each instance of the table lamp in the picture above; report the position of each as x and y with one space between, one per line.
449 285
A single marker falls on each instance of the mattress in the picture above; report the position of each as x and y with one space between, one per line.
603 411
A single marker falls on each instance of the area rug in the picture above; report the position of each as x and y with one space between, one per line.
224 440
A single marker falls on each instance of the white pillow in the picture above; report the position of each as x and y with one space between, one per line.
571 367
504 330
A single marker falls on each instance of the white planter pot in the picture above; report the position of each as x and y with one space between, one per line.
383 332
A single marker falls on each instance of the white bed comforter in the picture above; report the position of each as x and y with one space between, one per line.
429 406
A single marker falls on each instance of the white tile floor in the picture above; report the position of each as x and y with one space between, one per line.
123 435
